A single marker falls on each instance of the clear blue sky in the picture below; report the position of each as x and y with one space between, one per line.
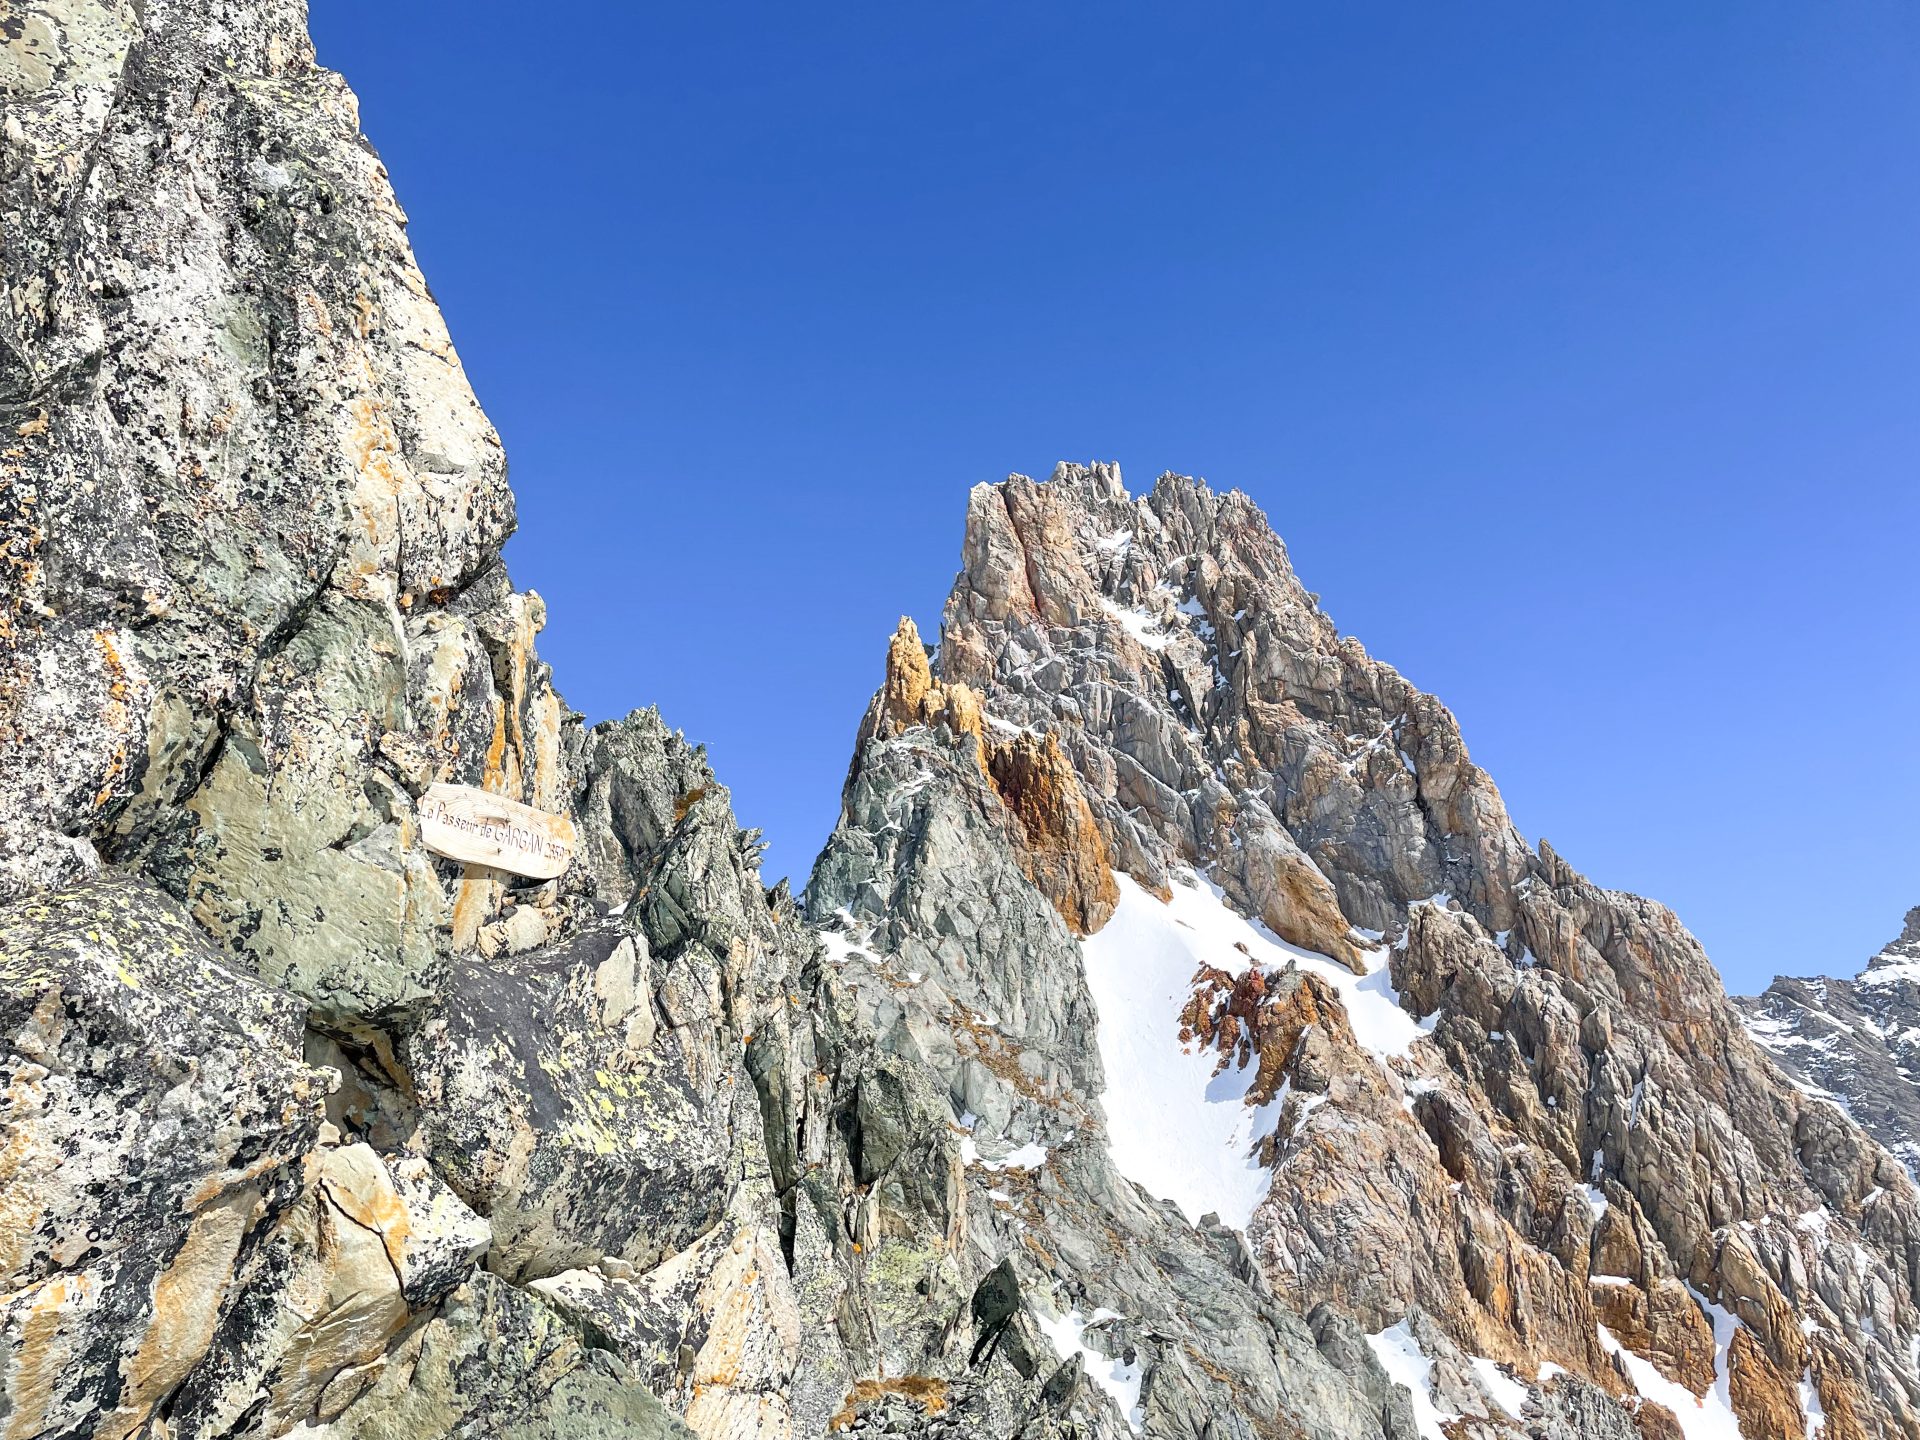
1575 351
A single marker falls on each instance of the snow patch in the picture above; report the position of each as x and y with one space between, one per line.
1120 1380
1810 1405
1890 973
1407 1365
842 944
1174 1127
1030 1156
1509 1394
1138 623
1711 1418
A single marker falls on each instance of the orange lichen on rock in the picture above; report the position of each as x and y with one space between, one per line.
187 1297
925 1391
117 715
1056 839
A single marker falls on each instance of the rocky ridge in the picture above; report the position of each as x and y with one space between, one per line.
307 1131
295 1113
1855 1042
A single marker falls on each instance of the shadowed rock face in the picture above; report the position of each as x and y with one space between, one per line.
1855 1042
305 1131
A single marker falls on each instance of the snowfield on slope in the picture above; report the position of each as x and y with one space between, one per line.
1119 1379
1407 1365
1174 1127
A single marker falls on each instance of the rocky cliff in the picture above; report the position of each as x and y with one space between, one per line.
1174 1038
1855 1042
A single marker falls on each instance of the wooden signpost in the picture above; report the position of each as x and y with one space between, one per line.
481 828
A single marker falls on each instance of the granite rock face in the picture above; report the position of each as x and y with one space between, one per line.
158 1119
305 1131
1855 1042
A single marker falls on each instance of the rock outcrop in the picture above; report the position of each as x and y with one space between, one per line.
1047 819
297 1116
1175 1036
1855 1042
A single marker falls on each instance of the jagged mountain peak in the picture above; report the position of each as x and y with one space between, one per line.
1262 728
1531 1093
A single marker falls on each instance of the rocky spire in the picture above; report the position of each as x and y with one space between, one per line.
1050 826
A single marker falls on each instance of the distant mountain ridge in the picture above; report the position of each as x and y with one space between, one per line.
1856 1042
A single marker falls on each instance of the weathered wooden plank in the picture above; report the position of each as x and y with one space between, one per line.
480 828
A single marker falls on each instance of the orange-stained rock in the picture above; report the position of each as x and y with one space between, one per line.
1840 1395
1616 1244
1764 1400
909 695
1063 851
908 681
1299 906
1747 1290
1258 1019
1056 840
1656 1422
186 1305
1664 1326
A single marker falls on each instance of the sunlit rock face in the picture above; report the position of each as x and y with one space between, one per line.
295 1112
1499 1123
1175 1037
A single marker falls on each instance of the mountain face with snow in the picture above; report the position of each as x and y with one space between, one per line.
1855 1042
1451 1094
1175 1038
